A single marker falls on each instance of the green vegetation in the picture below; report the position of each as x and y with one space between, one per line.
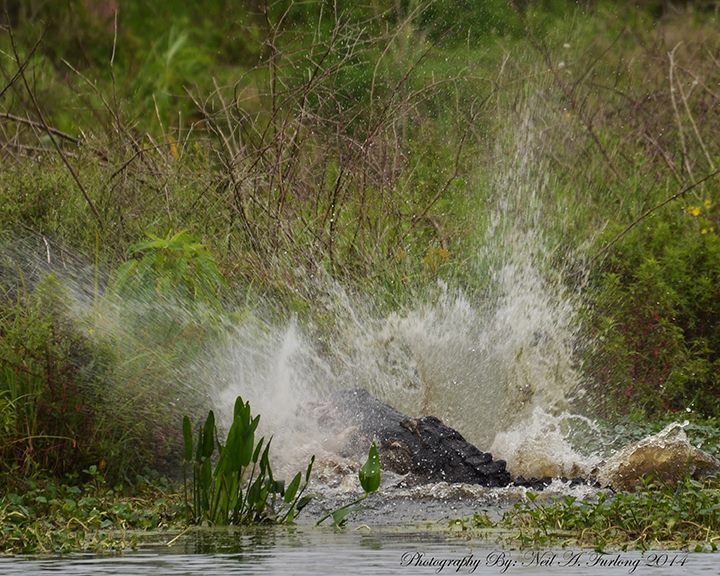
655 516
240 489
49 517
85 377
167 166
177 266
47 417
369 476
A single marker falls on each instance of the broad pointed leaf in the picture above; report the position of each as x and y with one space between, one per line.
370 472
293 488
209 435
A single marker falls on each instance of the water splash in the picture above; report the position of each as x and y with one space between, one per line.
540 447
496 362
491 362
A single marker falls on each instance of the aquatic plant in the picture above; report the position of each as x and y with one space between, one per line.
240 488
369 476
45 516
653 516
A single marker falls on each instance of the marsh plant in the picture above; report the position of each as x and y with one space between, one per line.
49 516
654 516
237 486
369 477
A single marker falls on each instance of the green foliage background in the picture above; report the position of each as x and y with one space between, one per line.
259 144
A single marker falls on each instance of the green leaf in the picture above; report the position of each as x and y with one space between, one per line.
340 515
254 494
293 488
200 443
245 451
242 413
304 501
265 458
254 424
309 469
277 487
124 273
370 472
206 476
238 408
208 444
256 454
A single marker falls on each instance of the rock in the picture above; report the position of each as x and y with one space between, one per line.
424 448
667 456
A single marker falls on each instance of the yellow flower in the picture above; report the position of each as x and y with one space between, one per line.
708 204
694 210
704 231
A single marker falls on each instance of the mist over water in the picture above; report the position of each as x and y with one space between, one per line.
499 365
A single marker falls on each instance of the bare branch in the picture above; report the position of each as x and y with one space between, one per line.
647 213
50 134
34 124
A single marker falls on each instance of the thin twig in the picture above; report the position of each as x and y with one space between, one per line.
663 154
27 148
647 213
333 217
175 539
51 136
685 97
34 124
115 34
678 119
22 66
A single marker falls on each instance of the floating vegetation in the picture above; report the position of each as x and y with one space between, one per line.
655 516
50 517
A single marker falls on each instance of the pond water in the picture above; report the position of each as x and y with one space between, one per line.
356 550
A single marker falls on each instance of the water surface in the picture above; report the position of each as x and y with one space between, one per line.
304 550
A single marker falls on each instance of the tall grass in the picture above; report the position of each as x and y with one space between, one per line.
370 146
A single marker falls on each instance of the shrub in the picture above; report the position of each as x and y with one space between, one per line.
658 319
49 373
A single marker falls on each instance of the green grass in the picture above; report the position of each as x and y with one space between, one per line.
374 150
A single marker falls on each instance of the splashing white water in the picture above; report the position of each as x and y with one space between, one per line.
498 365
538 447
489 364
